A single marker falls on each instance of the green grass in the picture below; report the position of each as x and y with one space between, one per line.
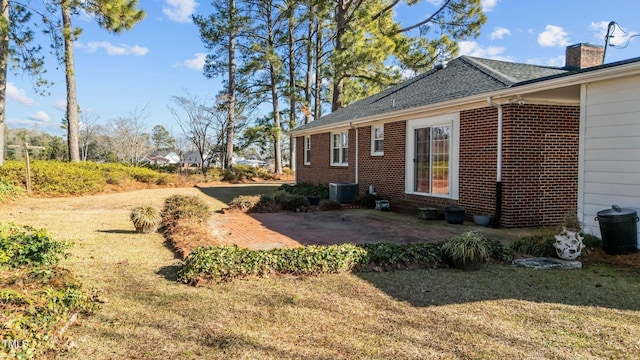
497 312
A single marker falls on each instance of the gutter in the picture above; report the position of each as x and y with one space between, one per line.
498 203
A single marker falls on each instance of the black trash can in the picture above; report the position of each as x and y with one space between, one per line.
619 230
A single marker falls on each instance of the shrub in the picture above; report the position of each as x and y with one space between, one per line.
182 207
306 189
24 245
9 191
328 205
537 244
388 254
221 263
245 203
591 241
146 219
467 250
366 201
290 202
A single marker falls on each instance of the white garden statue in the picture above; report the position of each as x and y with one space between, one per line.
568 244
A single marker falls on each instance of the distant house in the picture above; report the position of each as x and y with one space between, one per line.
162 158
522 142
192 158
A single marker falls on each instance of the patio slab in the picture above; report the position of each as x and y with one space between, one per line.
356 226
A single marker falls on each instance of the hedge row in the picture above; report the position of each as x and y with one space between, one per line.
222 263
62 178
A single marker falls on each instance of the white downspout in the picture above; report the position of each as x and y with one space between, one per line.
357 148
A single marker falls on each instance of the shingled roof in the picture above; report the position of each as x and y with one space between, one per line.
462 77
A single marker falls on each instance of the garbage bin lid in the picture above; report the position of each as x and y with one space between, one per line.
616 211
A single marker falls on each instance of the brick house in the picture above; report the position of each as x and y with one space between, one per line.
494 137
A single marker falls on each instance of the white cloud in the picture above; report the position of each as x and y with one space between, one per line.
179 10
18 95
553 36
196 63
488 5
111 49
471 48
557 61
600 31
60 104
499 32
40 116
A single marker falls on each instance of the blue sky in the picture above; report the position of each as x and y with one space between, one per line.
163 55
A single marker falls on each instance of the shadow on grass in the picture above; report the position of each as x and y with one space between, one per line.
591 286
169 272
117 231
227 193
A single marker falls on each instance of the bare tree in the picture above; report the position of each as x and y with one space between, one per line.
130 143
88 130
198 123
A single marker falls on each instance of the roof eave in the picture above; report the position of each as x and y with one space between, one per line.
499 96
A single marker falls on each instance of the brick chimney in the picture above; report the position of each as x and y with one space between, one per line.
583 55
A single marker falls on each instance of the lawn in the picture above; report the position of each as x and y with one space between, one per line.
498 312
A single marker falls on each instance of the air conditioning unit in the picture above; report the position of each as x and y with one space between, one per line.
343 192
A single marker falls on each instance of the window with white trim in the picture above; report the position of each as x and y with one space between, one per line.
340 148
377 140
432 158
307 150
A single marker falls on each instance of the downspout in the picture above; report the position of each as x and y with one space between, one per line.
498 206
357 147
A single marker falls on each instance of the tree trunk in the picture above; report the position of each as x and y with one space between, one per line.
72 105
292 90
309 78
232 86
4 59
317 103
338 78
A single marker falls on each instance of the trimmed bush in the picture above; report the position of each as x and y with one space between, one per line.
389 255
178 207
222 263
290 202
306 189
244 203
366 201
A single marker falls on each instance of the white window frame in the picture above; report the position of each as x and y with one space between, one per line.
374 139
452 120
307 150
343 145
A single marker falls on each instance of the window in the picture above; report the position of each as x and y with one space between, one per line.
340 149
432 156
307 150
377 140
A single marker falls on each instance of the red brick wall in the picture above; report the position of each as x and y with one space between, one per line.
540 159
540 164
478 157
385 172
320 171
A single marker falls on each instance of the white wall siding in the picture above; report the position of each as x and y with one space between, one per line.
610 148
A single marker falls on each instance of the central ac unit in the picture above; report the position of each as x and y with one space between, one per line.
343 192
